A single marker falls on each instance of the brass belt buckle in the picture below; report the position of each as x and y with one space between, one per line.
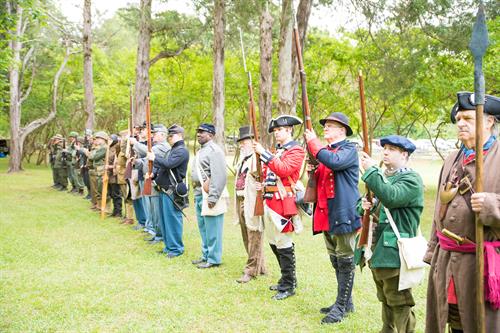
464 185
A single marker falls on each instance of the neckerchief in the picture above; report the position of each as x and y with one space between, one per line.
470 154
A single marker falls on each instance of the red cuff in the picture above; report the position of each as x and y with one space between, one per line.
314 146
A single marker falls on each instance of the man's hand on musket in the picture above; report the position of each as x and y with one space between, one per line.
309 135
311 167
148 175
257 147
132 141
366 161
211 204
365 204
259 186
150 156
477 201
109 167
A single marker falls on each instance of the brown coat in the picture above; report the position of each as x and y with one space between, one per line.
460 219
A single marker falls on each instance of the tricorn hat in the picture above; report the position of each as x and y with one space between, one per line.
282 121
245 133
340 118
466 101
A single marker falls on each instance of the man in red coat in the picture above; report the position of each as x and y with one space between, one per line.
281 172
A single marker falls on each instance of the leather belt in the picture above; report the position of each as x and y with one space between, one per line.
275 189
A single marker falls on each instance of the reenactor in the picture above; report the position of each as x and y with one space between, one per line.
60 162
400 190
121 166
113 185
281 173
452 283
335 214
73 167
52 158
209 177
96 167
252 227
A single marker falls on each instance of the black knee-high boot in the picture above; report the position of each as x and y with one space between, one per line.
345 282
288 278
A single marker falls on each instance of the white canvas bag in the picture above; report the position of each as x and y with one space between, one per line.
411 255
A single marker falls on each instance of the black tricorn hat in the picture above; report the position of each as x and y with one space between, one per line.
466 101
245 133
340 118
283 120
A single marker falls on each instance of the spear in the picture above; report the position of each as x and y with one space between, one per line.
478 46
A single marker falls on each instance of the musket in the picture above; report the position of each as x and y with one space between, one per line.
105 180
366 221
310 194
478 46
148 180
259 201
128 150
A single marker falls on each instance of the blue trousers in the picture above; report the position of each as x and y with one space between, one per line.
155 215
211 234
171 226
140 213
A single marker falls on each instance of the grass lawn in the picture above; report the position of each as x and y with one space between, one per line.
63 269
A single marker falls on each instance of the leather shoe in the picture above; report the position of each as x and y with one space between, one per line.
199 261
283 294
155 241
245 278
172 256
274 287
207 265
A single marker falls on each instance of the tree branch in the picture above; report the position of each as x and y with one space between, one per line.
42 121
169 53
28 91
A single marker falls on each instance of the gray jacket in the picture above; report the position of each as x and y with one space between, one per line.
213 163
160 149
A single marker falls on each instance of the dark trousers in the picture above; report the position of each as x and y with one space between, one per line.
116 195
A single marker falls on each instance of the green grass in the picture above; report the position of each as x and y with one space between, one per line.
63 269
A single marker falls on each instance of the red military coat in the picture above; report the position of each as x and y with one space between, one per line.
286 165
325 188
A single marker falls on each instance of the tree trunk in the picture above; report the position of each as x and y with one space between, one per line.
142 84
218 80
88 82
266 76
15 44
303 14
285 96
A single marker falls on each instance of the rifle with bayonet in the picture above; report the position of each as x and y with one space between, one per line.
148 179
259 201
105 181
129 152
366 220
310 194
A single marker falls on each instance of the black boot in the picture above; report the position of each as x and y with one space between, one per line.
274 287
288 278
350 304
345 282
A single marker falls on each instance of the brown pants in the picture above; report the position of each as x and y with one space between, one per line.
253 244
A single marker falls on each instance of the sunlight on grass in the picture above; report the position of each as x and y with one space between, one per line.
64 269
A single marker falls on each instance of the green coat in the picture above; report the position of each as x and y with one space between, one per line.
403 194
97 156
61 157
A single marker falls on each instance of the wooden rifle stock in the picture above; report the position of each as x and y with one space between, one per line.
259 202
365 228
148 181
310 194
105 180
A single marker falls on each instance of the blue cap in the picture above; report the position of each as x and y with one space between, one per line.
207 128
398 141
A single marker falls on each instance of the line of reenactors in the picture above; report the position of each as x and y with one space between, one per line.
396 207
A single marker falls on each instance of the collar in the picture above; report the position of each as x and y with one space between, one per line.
487 145
389 173
178 143
287 145
338 144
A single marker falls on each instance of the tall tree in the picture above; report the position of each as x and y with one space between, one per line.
218 98
266 74
22 59
285 93
142 84
88 81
